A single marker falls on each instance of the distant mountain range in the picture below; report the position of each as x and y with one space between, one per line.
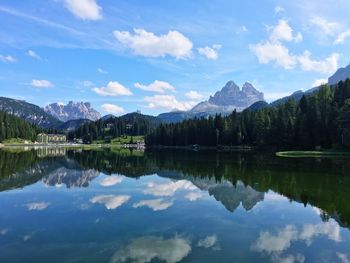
229 98
73 111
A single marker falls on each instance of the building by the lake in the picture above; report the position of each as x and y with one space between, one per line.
44 138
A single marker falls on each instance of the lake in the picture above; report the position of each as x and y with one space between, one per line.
119 205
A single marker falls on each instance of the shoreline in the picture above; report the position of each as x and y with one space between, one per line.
303 154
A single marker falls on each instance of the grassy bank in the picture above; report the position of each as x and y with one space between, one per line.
330 153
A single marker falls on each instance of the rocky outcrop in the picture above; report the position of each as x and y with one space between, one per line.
73 111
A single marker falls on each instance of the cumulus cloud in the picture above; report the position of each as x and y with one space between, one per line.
193 196
146 249
330 229
269 243
148 44
84 9
210 52
282 240
319 82
274 52
110 201
194 95
32 54
283 32
327 66
39 206
155 204
156 86
167 102
111 180
113 89
41 83
168 189
7 58
208 242
111 108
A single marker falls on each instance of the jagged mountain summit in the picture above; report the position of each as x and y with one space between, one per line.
229 98
73 111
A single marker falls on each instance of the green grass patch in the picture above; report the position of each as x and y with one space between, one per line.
17 141
330 153
127 139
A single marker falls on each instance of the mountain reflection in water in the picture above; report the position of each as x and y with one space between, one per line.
165 180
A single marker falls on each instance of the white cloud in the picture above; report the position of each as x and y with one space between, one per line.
343 257
319 82
325 26
110 201
269 243
342 37
111 108
279 9
194 95
283 32
210 52
41 83
37 206
330 229
327 66
111 180
157 86
281 241
7 59
168 189
168 102
208 242
146 249
113 89
84 9
274 52
32 54
155 204
102 71
148 44
193 196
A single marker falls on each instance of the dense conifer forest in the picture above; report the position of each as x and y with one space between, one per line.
320 119
105 129
14 127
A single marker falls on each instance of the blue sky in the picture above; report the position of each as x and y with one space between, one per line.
157 56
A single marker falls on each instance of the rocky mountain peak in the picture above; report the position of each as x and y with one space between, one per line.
231 95
72 111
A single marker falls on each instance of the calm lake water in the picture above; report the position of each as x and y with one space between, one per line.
172 206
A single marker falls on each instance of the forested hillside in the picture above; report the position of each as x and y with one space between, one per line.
106 129
29 112
320 119
14 127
